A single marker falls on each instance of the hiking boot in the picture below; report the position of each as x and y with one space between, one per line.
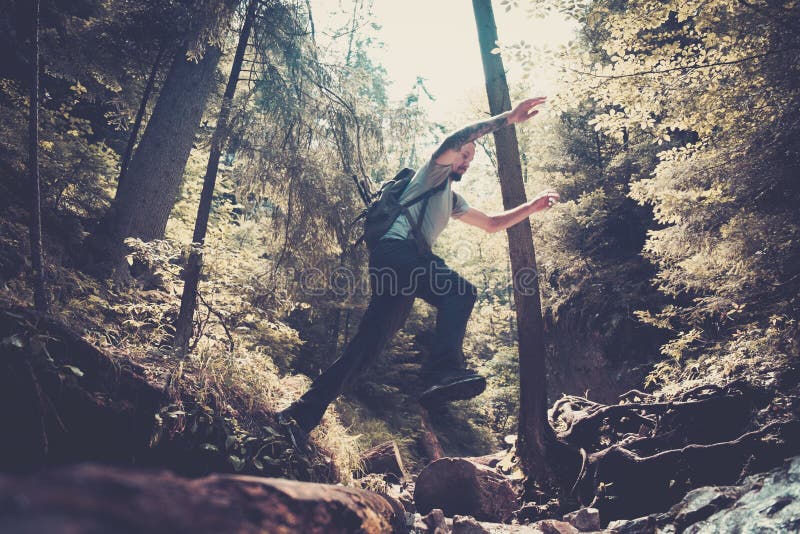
459 385
293 432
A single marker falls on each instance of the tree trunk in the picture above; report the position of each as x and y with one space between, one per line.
39 289
137 123
183 325
334 337
147 194
534 429
87 498
429 442
384 459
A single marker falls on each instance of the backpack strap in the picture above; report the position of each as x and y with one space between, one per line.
421 196
416 227
416 224
426 194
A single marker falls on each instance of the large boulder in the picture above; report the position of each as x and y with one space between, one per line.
92 498
766 502
459 486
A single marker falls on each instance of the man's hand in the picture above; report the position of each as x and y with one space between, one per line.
494 223
448 151
524 110
544 200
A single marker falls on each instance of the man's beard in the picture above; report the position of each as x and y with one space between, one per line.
455 176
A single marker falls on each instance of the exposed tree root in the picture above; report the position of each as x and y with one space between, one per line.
719 416
622 483
644 456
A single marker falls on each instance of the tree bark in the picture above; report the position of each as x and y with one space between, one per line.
145 198
533 425
39 288
429 442
86 498
384 459
137 123
183 325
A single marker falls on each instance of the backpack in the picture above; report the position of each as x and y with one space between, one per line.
384 207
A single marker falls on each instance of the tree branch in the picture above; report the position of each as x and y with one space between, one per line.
683 68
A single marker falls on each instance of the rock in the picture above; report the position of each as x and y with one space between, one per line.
93 498
768 502
528 512
467 525
408 502
700 504
553 526
585 519
640 525
419 525
531 512
459 486
489 460
435 522
401 494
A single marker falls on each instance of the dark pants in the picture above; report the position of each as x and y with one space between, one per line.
398 274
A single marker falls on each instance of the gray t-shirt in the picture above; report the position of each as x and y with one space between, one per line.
441 205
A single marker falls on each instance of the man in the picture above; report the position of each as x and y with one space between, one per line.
402 267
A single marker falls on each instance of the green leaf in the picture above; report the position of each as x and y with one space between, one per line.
272 431
209 447
236 462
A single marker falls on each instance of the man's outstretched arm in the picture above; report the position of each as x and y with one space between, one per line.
446 153
501 221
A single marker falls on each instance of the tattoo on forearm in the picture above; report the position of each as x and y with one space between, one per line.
470 133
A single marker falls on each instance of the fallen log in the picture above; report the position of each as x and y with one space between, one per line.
93 498
383 459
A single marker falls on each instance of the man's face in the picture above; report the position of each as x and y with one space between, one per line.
462 161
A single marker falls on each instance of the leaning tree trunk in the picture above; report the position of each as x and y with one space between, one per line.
147 194
535 432
39 290
183 325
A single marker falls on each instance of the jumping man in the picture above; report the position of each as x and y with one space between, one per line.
402 267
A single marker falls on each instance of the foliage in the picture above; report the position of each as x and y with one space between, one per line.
76 170
709 87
